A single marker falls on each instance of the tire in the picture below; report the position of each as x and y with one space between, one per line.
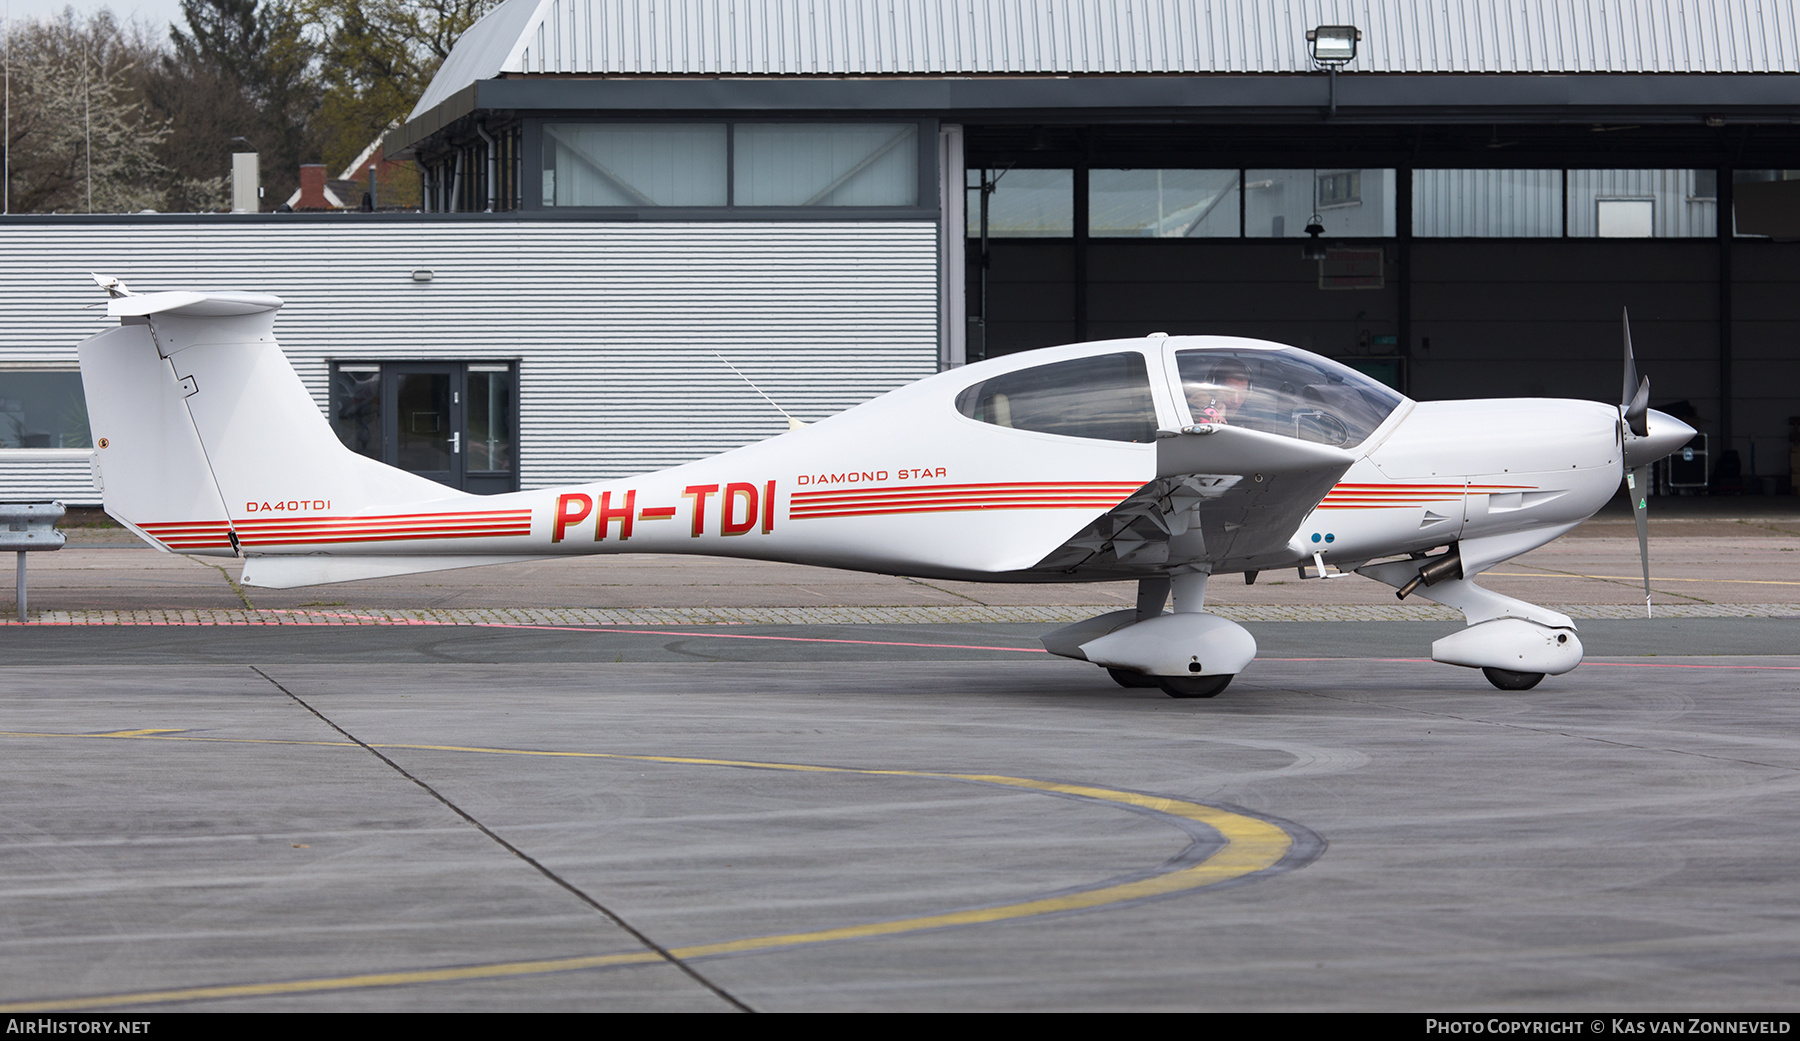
1193 686
1506 679
1127 678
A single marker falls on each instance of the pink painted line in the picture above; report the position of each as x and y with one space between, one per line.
1673 665
1616 664
748 636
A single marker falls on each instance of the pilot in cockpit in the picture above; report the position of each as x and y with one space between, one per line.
1223 393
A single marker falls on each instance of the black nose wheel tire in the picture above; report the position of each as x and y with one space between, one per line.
1506 679
1127 678
1193 686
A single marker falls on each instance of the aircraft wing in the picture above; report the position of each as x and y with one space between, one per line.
1231 497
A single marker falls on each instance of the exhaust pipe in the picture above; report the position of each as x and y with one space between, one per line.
1444 566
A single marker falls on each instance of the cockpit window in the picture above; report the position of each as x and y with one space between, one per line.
1284 392
1105 397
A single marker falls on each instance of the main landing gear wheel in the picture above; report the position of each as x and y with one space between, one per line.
1127 678
1506 679
1193 686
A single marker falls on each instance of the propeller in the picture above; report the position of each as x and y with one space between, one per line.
1634 408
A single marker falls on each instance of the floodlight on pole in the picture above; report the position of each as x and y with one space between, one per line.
1333 46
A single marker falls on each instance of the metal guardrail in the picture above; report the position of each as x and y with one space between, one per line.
27 527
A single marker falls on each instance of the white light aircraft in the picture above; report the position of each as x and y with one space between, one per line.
1167 460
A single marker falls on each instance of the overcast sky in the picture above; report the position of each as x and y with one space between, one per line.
155 13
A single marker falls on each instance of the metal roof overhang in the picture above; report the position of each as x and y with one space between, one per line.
1244 100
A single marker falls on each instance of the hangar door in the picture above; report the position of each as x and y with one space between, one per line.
452 422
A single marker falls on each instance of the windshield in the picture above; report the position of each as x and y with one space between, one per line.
1285 392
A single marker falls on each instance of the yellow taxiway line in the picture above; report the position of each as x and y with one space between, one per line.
1251 845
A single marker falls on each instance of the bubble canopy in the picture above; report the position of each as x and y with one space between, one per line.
1107 395
1284 391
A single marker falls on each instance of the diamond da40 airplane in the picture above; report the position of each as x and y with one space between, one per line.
1167 460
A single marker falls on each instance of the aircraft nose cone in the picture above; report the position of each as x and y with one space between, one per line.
1666 434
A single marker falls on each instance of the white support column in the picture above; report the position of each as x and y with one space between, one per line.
953 249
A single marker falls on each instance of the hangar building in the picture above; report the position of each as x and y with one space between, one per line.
635 209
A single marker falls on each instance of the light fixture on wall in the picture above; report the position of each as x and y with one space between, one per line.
423 274
1333 46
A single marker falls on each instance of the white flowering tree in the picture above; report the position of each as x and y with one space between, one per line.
79 136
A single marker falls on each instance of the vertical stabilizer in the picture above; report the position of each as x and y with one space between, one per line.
200 423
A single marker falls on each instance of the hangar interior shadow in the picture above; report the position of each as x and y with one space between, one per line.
1453 316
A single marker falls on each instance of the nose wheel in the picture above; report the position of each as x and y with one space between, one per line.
1506 679
1193 686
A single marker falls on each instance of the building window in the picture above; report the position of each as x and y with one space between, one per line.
634 164
1487 203
1163 204
1350 203
1766 202
1663 204
1555 203
1343 188
1024 204
800 165
43 408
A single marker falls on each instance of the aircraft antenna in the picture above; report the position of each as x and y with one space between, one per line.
793 424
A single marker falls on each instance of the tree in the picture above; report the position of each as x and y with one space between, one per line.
378 56
80 138
243 77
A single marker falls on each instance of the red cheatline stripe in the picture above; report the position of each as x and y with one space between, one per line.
295 530
1414 488
267 534
379 522
471 514
951 500
1401 496
1382 502
260 538
1059 493
376 529
965 489
483 516
951 509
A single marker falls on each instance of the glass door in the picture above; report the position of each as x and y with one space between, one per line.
451 422
426 421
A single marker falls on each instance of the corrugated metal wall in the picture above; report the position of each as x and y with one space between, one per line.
615 326
1529 203
1678 214
1487 203
860 37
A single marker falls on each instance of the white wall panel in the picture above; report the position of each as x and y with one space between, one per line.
617 327
63 474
